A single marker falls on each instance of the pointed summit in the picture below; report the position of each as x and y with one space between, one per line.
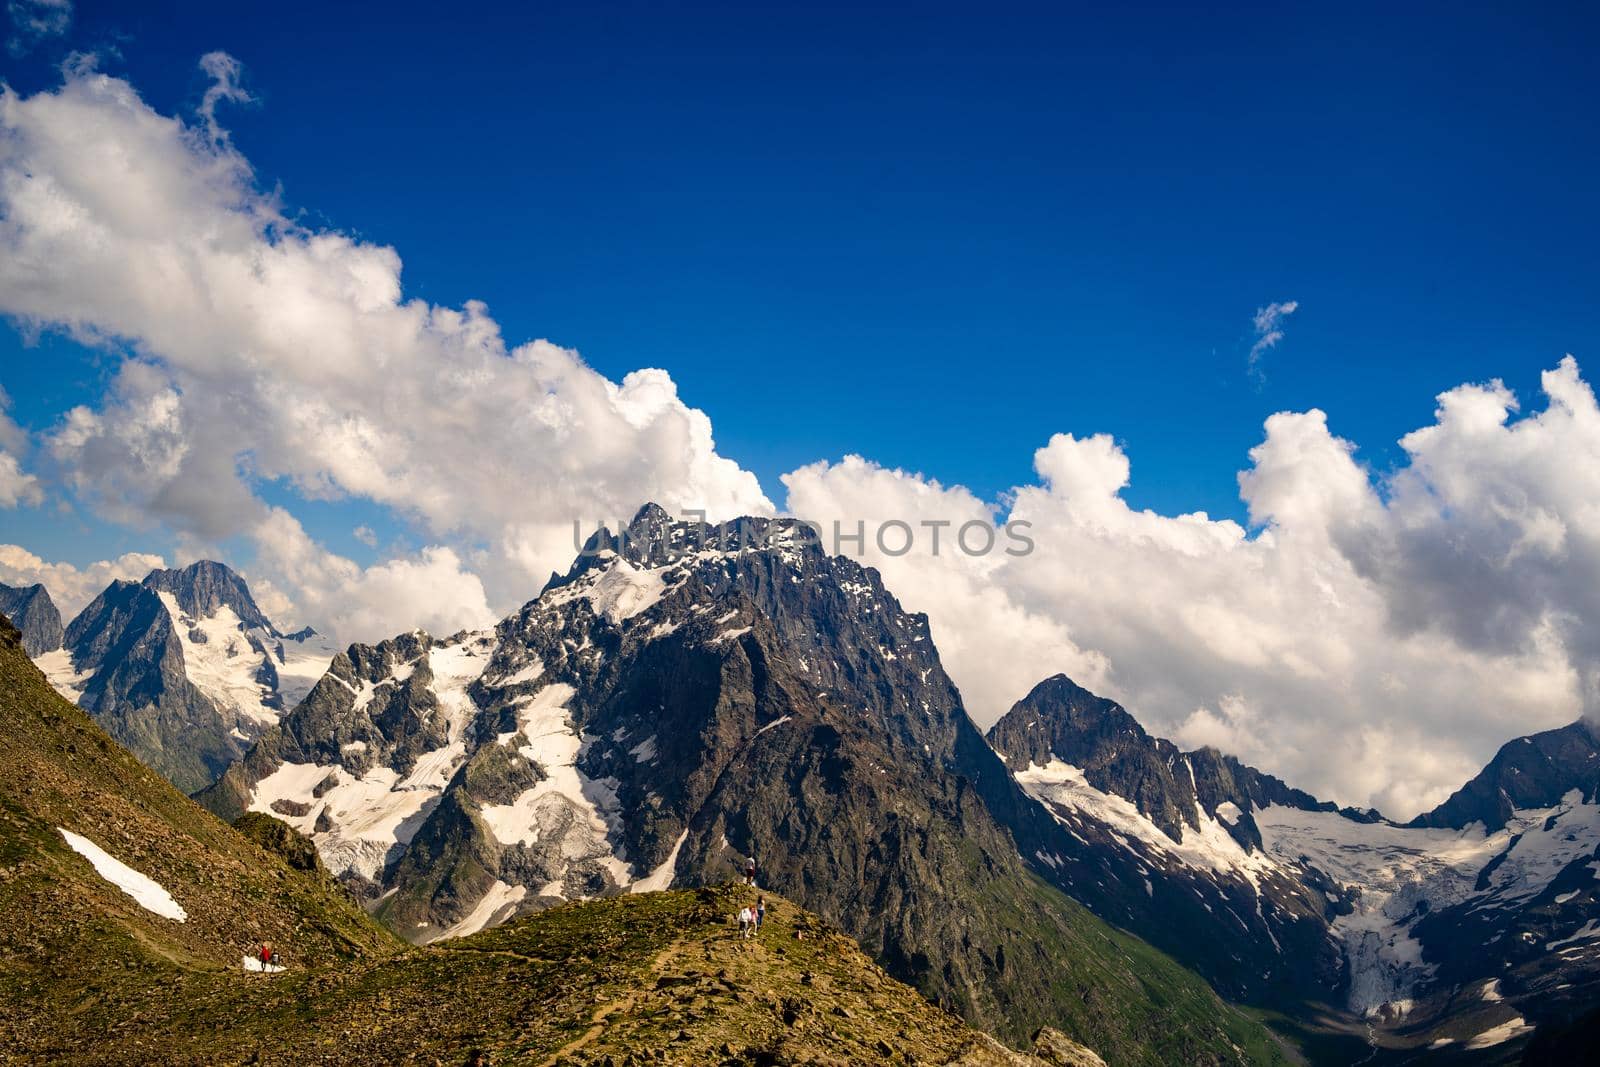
1531 772
205 587
34 613
184 669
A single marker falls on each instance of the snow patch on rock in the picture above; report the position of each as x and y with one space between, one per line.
146 891
661 877
59 672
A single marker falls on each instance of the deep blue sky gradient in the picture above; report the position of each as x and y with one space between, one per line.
933 235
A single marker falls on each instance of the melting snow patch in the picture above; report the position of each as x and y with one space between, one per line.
566 801
146 891
223 663
1589 929
57 669
501 897
620 592
1208 847
661 877
1228 811
775 722
253 964
370 815
644 751
528 673
1514 1027
300 663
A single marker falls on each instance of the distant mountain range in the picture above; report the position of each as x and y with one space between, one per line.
182 668
1464 929
685 697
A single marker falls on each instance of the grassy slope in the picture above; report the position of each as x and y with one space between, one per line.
1133 1004
659 977
72 944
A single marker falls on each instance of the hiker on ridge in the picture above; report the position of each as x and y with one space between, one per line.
750 872
761 912
745 921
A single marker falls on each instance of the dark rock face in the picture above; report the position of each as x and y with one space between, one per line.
183 669
34 614
282 840
1530 772
1257 936
138 691
1504 931
204 587
360 736
1060 720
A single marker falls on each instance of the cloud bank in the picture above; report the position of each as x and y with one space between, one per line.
1372 646
72 588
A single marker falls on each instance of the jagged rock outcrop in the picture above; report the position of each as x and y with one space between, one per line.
204 588
32 612
1160 840
1530 772
129 673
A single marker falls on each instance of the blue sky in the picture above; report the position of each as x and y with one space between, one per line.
929 237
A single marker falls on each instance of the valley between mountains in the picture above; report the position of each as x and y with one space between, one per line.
486 809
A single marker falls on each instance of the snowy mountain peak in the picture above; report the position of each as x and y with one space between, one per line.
1244 877
655 539
205 587
183 668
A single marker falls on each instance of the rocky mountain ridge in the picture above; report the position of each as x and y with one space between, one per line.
130 913
32 611
1467 927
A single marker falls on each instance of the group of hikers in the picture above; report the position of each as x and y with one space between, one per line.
751 918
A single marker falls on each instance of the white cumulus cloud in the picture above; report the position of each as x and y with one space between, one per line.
1374 644
72 588
257 348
